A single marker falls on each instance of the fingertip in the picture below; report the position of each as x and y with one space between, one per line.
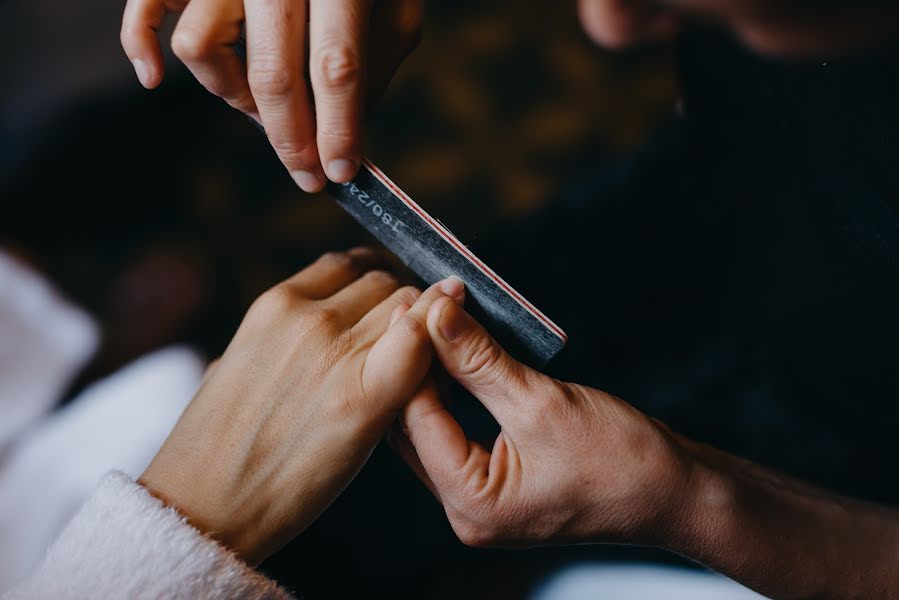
309 182
147 74
453 287
342 170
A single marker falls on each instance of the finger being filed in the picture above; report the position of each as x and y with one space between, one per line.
397 363
357 299
373 325
276 38
141 20
338 39
204 41
451 287
334 271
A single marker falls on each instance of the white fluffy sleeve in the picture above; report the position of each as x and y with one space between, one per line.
124 543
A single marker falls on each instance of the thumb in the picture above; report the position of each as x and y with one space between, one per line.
473 358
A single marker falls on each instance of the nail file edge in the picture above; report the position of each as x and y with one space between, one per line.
431 251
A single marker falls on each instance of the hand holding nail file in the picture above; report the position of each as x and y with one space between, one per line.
433 253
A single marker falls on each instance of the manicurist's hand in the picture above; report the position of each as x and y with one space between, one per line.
570 464
770 26
311 102
286 418
573 464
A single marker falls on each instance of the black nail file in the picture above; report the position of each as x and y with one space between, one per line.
433 253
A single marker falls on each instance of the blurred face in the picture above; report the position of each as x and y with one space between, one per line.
781 27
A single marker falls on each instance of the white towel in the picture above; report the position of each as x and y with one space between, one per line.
52 461
124 543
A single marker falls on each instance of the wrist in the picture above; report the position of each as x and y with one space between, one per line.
202 511
707 498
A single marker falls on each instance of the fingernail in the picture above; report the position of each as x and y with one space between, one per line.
142 72
452 321
453 287
308 182
341 170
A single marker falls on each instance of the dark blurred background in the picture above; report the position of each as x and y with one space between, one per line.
166 213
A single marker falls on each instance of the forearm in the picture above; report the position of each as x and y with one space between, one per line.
784 538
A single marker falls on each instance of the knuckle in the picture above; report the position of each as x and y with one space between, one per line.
340 261
293 156
407 294
480 359
324 317
273 303
338 66
191 45
381 278
413 329
271 78
474 535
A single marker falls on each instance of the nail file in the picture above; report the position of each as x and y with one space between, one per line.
433 253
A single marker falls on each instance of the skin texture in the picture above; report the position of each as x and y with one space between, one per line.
573 464
290 413
310 103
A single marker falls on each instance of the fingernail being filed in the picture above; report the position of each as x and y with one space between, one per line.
454 288
341 170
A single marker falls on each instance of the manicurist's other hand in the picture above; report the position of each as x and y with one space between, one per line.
570 464
286 418
573 464
770 26
311 102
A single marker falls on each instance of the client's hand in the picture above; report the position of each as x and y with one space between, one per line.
570 464
288 416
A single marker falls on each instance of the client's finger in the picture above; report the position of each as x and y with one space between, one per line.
396 365
333 271
373 325
358 298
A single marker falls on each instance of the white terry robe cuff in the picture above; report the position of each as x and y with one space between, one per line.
124 543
